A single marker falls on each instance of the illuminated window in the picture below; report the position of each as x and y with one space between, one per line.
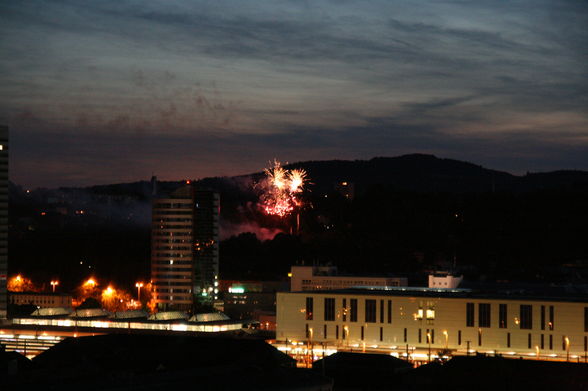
470 314
370 311
502 315
329 309
526 316
484 315
309 308
353 308
344 310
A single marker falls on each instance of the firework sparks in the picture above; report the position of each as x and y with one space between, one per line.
281 189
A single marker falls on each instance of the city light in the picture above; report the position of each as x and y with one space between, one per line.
20 284
90 283
139 285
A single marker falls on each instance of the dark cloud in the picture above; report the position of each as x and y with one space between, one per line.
114 90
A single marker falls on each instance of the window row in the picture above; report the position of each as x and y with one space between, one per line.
370 306
524 320
427 336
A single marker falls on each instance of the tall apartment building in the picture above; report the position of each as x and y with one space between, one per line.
3 220
184 248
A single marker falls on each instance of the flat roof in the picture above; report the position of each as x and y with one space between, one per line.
456 293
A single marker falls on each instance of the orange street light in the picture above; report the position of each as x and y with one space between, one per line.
90 283
54 283
139 285
109 291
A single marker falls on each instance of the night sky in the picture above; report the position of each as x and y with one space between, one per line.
112 91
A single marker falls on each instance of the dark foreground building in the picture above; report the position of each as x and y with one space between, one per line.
148 362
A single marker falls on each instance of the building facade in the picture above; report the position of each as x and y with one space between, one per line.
444 280
184 248
421 320
3 221
308 278
42 300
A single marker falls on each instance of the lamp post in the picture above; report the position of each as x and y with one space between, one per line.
446 338
139 285
567 348
54 283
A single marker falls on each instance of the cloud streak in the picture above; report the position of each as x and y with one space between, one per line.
226 86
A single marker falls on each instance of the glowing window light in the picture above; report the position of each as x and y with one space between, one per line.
179 327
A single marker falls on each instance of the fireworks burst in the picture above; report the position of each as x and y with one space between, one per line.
281 189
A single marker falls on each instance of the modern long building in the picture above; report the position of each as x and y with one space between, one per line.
40 299
184 248
3 220
422 321
308 278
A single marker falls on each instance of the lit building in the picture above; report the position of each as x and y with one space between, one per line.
444 280
3 220
43 300
251 299
307 278
421 321
184 248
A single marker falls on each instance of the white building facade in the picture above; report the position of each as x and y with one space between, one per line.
421 320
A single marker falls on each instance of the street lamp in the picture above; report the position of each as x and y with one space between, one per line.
567 348
90 283
139 285
54 283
